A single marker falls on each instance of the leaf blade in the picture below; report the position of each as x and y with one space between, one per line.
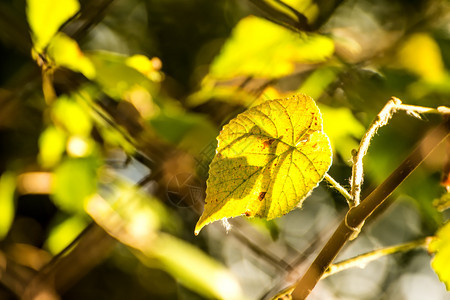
268 160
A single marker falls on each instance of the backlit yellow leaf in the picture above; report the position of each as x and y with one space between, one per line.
268 160
46 16
65 52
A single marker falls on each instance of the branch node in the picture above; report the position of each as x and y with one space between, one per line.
352 228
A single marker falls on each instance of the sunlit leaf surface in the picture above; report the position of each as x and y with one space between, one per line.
268 160
46 16
441 260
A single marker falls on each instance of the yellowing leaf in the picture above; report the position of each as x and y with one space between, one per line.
261 48
441 261
268 160
46 16
65 52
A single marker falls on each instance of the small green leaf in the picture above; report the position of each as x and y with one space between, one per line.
52 144
46 16
268 160
64 233
7 189
441 247
74 182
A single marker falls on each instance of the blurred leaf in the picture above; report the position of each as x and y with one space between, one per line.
442 203
134 219
266 226
194 269
52 144
441 247
116 76
66 52
7 189
113 135
210 89
307 7
187 130
268 160
71 116
148 67
318 81
261 48
343 129
420 54
64 233
75 180
46 16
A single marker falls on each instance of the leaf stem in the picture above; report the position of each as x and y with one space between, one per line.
339 188
363 259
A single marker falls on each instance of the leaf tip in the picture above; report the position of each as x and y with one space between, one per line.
198 227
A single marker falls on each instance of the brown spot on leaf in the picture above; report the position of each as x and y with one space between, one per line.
268 143
261 196
248 214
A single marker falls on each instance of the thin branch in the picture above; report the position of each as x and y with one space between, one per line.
339 188
358 214
393 105
357 170
362 260
92 247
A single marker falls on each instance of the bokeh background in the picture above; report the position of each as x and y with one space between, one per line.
134 193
